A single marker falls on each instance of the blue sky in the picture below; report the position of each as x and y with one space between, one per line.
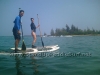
52 13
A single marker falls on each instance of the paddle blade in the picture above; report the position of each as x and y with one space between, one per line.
42 42
23 46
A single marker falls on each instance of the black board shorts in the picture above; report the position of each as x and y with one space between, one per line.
16 35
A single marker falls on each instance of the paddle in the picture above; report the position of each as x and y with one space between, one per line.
40 32
23 44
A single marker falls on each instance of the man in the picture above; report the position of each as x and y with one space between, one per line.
16 29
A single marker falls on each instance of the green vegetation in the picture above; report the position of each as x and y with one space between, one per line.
73 31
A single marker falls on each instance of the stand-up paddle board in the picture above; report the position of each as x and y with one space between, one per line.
34 50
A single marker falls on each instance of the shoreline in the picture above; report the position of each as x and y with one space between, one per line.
62 35
86 35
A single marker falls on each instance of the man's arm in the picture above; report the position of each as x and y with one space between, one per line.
37 26
18 24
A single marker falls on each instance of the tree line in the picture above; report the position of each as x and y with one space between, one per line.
73 30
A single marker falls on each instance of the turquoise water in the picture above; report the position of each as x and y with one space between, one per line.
54 65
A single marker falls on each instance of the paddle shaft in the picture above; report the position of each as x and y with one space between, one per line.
23 44
40 31
22 32
39 26
21 25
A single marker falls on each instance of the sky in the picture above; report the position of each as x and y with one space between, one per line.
52 14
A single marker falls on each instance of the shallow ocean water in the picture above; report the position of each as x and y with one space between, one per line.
64 61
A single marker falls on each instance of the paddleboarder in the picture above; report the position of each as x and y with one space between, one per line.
33 32
16 29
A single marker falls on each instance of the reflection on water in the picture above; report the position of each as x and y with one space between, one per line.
18 62
21 66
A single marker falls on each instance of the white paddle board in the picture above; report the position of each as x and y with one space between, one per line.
34 50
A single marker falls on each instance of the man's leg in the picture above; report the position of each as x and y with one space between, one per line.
16 43
34 39
17 39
